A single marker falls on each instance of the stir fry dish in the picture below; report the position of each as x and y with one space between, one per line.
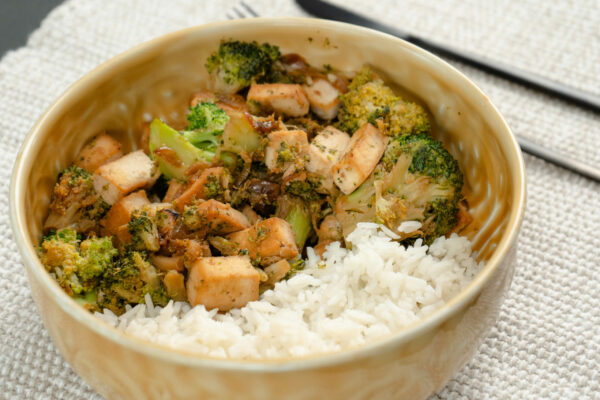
277 156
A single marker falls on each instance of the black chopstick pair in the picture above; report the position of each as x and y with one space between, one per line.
323 9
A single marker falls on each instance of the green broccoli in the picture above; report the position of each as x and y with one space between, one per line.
130 279
75 203
206 124
236 65
97 255
143 231
76 264
369 100
423 181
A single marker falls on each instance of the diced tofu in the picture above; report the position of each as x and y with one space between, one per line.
267 241
283 98
176 188
323 98
189 249
362 155
167 263
118 178
326 149
285 148
212 182
250 214
98 151
174 284
216 218
275 272
120 213
222 282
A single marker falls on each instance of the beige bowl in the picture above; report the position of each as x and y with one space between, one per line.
157 78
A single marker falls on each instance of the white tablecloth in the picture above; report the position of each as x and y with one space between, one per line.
546 343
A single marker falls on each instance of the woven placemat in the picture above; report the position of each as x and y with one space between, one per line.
546 343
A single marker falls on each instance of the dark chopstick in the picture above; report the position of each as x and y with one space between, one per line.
323 9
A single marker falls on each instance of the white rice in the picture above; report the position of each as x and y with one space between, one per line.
347 299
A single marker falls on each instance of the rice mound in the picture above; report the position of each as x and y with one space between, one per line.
348 298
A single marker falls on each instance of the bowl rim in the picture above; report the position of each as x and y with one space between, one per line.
31 261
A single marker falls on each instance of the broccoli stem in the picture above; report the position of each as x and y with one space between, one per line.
299 218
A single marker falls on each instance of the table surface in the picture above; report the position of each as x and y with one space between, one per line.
546 343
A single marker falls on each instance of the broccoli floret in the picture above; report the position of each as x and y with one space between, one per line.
207 117
75 203
131 278
206 125
76 266
422 182
236 65
370 100
143 231
97 255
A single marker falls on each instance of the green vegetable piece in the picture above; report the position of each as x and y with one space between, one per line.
236 65
240 136
370 100
295 211
173 152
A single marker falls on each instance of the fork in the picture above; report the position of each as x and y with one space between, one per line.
242 10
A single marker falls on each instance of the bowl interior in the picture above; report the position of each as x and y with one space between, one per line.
156 80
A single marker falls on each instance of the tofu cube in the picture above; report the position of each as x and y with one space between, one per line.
323 98
362 155
98 151
282 98
210 182
285 148
222 282
325 150
120 213
118 178
217 218
275 272
268 241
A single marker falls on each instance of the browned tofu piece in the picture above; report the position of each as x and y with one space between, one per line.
285 148
176 188
118 178
362 155
120 213
325 150
167 263
267 241
212 182
323 98
222 282
283 98
98 151
175 286
275 272
216 218
189 250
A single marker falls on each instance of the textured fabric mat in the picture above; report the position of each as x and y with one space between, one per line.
546 344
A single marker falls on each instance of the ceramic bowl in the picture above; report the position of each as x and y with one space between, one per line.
156 79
